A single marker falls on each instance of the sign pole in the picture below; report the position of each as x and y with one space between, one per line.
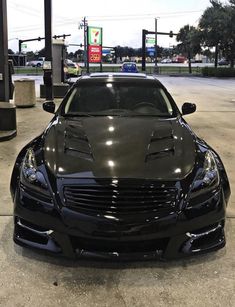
87 50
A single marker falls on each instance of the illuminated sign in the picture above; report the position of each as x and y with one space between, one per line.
94 54
94 36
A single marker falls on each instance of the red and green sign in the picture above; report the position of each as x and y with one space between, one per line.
94 36
94 44
94 54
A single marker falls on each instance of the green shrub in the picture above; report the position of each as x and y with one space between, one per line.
218 72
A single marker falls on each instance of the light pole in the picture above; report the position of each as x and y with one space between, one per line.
156 66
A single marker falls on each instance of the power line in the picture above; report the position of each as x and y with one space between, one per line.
147 14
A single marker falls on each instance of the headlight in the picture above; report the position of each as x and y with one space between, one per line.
30 174
208 177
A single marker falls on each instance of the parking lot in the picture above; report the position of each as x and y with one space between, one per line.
31 279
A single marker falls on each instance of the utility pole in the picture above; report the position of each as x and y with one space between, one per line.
4 74
156 66
85 40
84 25
48 79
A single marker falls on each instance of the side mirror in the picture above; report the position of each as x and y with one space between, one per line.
49 106
188 108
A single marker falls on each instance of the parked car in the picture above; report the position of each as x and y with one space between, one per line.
129 67
166 61
223 62
179 59
36 63
118 173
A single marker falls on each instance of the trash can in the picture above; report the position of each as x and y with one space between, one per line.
25 95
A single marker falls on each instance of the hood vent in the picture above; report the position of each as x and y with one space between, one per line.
160 154
161 144
76 143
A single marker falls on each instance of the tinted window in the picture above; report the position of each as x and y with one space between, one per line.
119 98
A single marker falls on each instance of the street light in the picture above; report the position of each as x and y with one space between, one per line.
156 66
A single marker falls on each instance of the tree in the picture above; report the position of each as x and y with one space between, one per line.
218 29
189 38
79 54
41 53
229 32
213 25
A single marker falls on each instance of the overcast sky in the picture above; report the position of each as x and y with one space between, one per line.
122 20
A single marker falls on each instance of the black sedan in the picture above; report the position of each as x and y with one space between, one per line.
119 174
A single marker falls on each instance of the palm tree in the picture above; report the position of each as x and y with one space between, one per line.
189 38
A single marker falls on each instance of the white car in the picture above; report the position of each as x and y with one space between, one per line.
166 61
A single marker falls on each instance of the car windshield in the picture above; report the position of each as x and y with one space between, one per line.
118 99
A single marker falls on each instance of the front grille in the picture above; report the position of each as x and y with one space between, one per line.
121 199
97 245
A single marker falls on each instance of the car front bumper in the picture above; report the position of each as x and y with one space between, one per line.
196 229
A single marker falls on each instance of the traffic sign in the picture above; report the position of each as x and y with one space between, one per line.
150 40
150 49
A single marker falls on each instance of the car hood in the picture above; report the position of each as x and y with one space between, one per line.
122 147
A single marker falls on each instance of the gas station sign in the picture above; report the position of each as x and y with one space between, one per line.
94 54
94 39
94 36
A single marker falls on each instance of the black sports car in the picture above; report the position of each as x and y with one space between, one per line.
118 173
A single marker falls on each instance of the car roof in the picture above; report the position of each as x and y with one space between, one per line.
119 76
